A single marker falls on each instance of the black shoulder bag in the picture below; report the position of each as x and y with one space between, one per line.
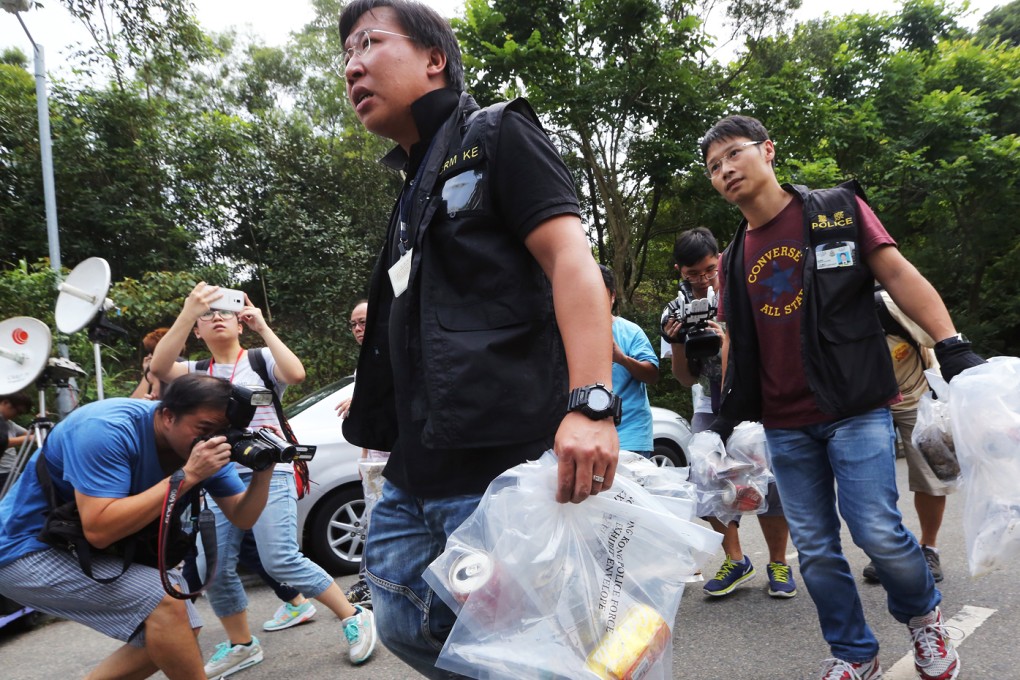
160 543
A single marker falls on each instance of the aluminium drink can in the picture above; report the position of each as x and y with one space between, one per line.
473 572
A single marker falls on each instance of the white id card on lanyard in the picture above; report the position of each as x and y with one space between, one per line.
400 273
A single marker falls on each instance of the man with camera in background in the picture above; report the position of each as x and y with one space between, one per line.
696 258
276 530
114 458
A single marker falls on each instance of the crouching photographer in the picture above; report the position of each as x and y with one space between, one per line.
115 459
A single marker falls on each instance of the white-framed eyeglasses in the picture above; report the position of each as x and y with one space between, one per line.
712 169
224 314
361 43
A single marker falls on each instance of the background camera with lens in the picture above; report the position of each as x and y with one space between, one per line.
699 340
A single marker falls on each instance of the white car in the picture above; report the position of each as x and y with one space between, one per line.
330 516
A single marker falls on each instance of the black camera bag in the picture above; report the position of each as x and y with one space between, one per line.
63 530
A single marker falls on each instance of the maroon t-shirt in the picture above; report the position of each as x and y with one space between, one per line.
774 270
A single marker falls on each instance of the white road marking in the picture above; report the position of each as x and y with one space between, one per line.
966 621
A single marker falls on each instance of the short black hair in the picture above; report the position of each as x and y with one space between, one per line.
19 401
693 245
423 24
193 391
608 278
730 128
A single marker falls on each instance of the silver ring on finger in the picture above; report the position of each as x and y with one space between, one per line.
598 479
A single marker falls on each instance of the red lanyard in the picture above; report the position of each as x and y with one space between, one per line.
236 362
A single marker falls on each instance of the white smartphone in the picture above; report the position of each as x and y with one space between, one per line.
230 300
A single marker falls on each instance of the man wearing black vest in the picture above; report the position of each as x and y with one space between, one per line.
486 309
808 358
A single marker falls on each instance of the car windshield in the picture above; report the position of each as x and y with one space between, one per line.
317 396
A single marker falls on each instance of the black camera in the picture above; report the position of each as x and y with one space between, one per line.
257 449
700 341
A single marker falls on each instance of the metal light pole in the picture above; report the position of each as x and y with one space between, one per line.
46 153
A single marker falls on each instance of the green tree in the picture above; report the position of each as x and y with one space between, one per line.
145 40
1002 23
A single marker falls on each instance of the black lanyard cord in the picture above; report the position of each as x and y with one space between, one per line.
202 521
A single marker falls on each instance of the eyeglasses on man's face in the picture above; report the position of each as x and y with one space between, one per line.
356 323
361 43
732 154
707 275
224 314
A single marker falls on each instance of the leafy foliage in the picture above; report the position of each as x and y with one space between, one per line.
181 156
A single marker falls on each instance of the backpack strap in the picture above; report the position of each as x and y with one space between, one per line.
202 366
890 325
258 364
301 477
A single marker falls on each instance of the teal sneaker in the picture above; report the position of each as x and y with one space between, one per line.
730 575
360 633
228 659
781 583
288 615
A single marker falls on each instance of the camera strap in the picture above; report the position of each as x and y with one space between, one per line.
203 524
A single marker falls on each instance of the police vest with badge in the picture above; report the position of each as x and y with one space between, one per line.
844 351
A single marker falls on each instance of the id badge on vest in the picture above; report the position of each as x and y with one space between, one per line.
400 273
835 255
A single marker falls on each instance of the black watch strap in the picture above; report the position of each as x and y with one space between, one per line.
579 401
950 341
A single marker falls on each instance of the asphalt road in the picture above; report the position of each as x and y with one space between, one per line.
745 636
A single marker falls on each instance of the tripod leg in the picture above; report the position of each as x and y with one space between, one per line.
28 447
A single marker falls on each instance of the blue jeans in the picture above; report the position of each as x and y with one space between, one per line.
276 537
857 456
248 557
405 535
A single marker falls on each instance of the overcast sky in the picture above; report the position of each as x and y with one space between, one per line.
274 20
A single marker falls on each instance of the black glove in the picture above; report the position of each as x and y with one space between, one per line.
723 427
956 358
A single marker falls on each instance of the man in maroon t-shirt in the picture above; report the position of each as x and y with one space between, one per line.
788 287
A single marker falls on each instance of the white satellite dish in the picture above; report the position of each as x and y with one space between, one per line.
83 295
25 345
24 351
82 302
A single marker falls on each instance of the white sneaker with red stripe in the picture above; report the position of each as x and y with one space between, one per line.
838 669
935 657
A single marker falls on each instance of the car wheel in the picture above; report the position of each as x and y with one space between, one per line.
337 538
668 454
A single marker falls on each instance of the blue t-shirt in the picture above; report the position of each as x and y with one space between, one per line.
635 428
105 449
